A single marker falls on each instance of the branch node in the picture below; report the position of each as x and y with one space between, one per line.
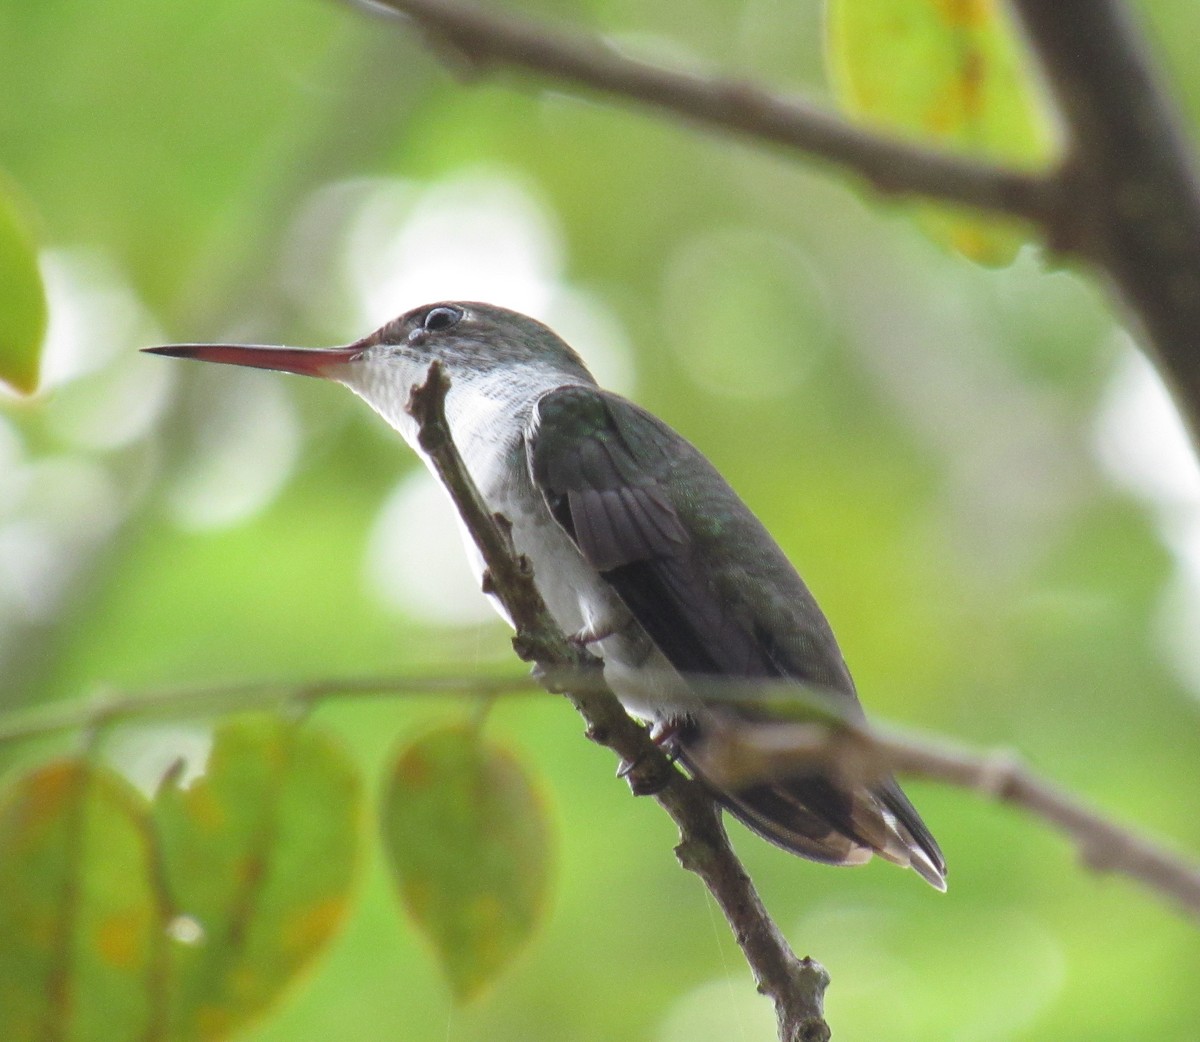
504 525
813 1029
695 857
555 679
810 965
1000 774
527 648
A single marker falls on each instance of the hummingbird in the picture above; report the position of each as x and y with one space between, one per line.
640 548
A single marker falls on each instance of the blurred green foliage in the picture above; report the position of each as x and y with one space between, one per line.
80 931
951 73
22 298
259 855
179 919
465 832
970 467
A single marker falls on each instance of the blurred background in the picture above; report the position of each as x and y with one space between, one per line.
979 476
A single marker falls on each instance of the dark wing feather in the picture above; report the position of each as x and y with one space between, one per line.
601 481
602 465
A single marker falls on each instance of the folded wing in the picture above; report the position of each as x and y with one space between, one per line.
681 550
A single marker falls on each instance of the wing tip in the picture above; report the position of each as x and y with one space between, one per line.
933 874
918 852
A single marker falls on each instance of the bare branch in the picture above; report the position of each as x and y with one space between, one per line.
1103 845
862 755
888 163
797 986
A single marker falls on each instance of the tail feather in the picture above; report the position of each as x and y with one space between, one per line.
778 814
924 854
820 820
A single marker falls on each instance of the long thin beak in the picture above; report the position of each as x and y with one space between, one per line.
321 362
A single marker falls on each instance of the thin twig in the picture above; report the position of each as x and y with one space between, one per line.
826 740
797 986
109 704
1103 845
890 164
862 755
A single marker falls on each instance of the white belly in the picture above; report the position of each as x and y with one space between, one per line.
574 591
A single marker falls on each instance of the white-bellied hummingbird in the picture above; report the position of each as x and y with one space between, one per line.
639 547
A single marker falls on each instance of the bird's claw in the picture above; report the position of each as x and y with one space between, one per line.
665 734
644 776
590 634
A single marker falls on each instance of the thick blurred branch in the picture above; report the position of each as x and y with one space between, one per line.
1126 199
797 986
1133 206
484 39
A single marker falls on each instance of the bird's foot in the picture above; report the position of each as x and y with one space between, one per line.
592 633
665 734
645 774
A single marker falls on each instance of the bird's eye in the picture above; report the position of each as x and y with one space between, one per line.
442 318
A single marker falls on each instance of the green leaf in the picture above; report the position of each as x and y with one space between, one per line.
182 920
469 840
22 297
949 72
80 919
260 854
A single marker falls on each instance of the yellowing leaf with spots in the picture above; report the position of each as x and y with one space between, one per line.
469 841
22 298
951 73
260 854
80 915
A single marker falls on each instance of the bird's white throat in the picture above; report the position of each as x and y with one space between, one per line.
487 410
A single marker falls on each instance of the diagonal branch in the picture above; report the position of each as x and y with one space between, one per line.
797 986
1126 199
888 163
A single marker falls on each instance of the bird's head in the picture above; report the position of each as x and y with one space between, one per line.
485 350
